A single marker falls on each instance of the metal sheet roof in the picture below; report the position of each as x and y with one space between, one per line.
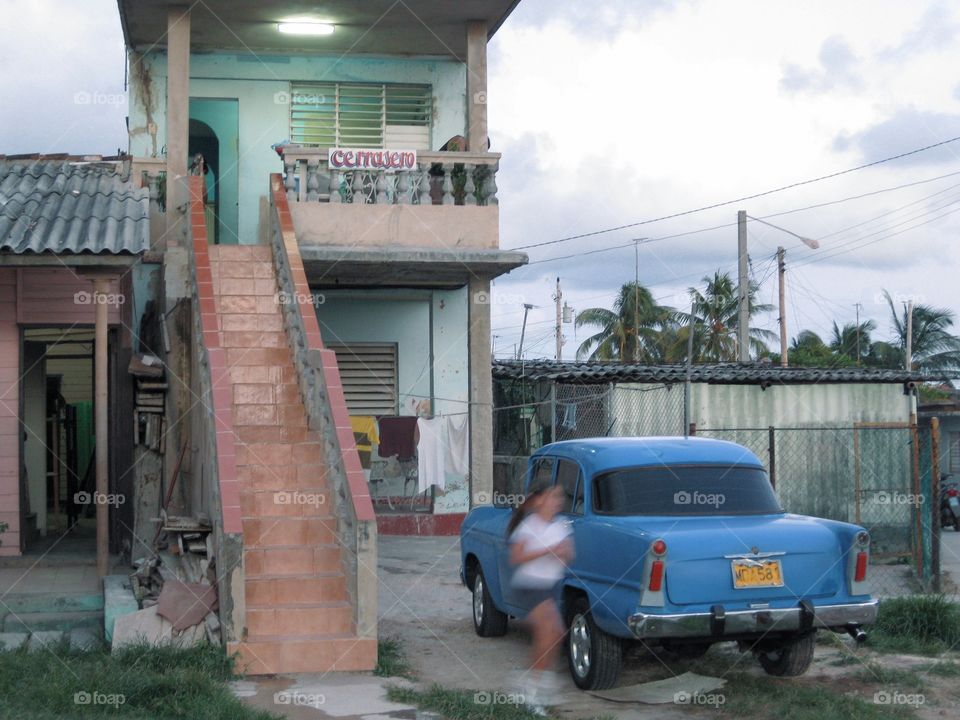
716 373
65 206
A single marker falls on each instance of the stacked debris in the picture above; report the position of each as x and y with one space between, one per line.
148 413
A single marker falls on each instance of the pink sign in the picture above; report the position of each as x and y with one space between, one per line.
349 159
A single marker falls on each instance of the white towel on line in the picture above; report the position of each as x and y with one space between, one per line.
430 453
457 458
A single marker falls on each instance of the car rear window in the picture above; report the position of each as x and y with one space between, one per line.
685 490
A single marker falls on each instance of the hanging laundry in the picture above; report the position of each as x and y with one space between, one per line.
364 435
569 417
430 453
396 436
457 456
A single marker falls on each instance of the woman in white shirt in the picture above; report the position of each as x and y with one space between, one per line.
540 550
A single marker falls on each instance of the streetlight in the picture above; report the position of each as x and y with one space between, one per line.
527 307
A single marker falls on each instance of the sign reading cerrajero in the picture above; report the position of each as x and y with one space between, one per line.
354 159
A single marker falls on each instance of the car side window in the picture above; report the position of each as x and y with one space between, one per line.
568 477
542 471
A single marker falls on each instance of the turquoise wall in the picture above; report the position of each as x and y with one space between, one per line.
222 116
259 85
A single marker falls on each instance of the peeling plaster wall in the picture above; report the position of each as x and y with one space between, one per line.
257 82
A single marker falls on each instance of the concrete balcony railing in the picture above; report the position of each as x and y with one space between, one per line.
440 178
446 200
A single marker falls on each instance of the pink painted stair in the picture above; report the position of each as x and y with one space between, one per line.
298 612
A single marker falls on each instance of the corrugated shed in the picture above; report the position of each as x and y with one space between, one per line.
64 206
715 373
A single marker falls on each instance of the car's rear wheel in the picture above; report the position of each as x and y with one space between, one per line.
790 659
487 620
595 657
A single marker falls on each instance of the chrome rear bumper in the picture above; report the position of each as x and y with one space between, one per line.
720 622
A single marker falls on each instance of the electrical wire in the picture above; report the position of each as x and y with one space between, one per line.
744 198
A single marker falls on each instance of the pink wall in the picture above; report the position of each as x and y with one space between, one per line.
9 411
56 295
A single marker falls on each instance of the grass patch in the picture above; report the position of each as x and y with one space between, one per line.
137 682
898 677
391 660
765 698
462 704
943 669
923 624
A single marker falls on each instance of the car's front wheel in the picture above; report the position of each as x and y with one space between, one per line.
487 620
790 659
595 657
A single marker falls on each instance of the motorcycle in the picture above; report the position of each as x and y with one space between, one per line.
950 505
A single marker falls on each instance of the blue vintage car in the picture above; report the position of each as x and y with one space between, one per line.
680 542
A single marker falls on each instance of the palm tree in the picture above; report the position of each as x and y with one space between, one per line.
852 341
716 316
628 333
933 347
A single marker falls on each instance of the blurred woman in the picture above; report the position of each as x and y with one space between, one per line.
540 550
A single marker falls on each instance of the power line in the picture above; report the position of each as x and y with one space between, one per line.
815 206
742 199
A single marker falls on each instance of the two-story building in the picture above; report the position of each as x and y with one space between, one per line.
331 228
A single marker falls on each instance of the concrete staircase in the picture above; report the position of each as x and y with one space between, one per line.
299 616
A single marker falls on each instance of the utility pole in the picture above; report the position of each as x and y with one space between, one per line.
743 301
558 298
781 272
636 301
857 306
909 358
526 309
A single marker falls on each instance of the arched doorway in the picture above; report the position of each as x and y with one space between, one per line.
204 142
214 132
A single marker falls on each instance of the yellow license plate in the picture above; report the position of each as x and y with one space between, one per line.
756 573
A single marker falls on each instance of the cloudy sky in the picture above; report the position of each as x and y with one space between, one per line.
619 112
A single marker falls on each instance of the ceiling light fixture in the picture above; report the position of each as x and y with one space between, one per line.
305 28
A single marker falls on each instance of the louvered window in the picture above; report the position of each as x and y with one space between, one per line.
369 376
361 116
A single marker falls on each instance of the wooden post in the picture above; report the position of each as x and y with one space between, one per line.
101 286
935 502
918 535
743 290
856 472
772 449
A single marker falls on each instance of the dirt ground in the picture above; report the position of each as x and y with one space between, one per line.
424 606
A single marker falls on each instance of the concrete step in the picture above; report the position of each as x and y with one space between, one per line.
294 560
300 619
271 504
271 590
299 654
290 531
51 603
36 622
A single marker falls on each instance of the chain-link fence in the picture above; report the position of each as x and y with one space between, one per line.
883 476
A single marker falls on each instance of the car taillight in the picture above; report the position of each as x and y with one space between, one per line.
659 547
860 573
656 576
952 493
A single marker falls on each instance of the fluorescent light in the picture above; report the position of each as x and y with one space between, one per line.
305 28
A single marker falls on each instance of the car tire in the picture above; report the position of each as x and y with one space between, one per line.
956 524
487 620
594 656
791 659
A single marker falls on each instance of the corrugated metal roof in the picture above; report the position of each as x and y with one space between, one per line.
717 373
65 206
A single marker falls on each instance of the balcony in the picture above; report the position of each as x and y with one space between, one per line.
434 222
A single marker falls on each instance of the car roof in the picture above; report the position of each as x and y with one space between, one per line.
599 454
